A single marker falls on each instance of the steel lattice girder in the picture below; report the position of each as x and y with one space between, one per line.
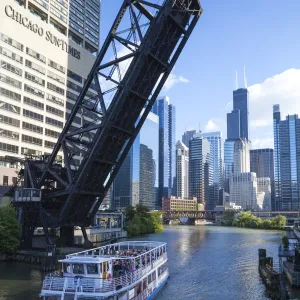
100 130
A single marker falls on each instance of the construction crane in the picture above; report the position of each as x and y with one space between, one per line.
136 59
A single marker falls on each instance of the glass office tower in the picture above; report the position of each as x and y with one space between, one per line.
228 162
137 179
201 171
166 168
287 161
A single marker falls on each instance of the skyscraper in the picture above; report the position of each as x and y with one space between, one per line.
136 181
187 136
233 125
240 103
182 170
287 161
228 162
241 157
47 49
166 167
262 163
215 138
201 171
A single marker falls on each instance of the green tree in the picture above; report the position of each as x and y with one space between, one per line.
10 229
278 222
129 213
156 218
228 217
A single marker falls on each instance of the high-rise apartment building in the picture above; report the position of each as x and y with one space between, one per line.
187 136
201 171
287 161
182 170
166 167
47 49
137 179
262 163
215 138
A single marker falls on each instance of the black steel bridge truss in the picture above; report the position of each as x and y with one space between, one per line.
136 59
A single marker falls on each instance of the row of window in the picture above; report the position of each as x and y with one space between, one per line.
9 94
56 77
74 86
63 3
56 66
9 148
11 81
55 88
89 30
35 67
36 55
54 111
11 68
76 20
11 42
93 40
32 127
62 10
34 91
34 103
92 25
74 76
55 100
33 115
11 55
9 134
35 79
9 121
54 122
10 107
42 3
74 26
32 140
57 14
76 13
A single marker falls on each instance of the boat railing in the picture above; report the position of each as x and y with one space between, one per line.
94 285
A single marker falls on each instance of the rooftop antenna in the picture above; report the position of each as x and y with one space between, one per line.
245 79
236 80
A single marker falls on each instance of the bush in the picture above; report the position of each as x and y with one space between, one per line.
10 229
138 220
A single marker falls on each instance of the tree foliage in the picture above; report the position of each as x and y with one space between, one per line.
247 220
10 229
139 220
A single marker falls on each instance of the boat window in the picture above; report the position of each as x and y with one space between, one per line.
67 268
78 269
92 268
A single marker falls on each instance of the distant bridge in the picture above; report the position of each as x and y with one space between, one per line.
211 214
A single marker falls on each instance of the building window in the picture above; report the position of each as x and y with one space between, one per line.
49 144
35 67
54 111
36 55
56 77
5 180
74 76
34 91
56 66
72 96
11 42
9 121
58 15
35 79
74 19
92 32
75 38
92 25
10 107
63 3
54 122
60 28
55 88
9 67
11 55
27 151
32 140
9 94
55 100
14 180
32 127
9 148
34 103
9 134
42 3
10 81
76 13
58 7
51 133
33 115
74 26
74 86
92 12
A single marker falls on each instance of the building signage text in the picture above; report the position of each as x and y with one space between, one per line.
11 13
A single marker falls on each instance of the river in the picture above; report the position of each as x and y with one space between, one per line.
205 262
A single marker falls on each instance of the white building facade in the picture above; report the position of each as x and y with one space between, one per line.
182 170
47 49
264 193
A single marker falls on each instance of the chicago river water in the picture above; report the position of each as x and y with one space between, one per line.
205 262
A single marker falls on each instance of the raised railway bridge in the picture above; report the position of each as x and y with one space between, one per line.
169 215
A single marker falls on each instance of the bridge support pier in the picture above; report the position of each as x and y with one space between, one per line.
67 236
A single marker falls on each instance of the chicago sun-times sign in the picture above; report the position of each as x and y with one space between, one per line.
24 21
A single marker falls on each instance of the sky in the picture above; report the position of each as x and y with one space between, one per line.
263 36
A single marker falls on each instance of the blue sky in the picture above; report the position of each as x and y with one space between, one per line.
263 35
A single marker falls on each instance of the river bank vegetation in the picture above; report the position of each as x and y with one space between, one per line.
247 220
139 220
10 229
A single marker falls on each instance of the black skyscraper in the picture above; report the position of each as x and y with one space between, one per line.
240 102
233 125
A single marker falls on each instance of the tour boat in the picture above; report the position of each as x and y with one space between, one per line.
134 270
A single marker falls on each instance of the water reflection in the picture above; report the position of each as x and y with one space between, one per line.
209 263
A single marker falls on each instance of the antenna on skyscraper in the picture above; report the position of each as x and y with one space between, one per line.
236 80
245 79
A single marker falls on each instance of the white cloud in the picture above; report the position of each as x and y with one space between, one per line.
214 124
282 89
172 80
